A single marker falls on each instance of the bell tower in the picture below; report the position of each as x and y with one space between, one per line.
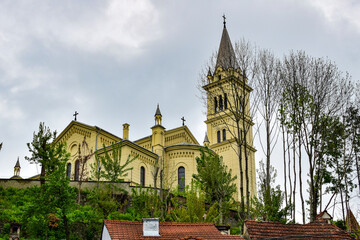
226 91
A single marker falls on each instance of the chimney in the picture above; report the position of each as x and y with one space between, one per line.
126 131
151 227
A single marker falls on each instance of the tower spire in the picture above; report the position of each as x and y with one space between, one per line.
226 55
158 116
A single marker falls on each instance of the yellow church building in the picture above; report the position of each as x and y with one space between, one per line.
173 151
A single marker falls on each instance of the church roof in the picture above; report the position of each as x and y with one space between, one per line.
226 55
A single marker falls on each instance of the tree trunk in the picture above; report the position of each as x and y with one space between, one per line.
294 171
284 156
300 185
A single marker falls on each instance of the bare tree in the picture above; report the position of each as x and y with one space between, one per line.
267 88
228 100
83 155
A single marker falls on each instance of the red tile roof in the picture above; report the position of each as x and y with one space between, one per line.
119 230
319 229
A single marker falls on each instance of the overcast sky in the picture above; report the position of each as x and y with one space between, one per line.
114 61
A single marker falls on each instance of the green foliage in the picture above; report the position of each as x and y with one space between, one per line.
42 150
146 203
110 167
340 224
215 179
268 206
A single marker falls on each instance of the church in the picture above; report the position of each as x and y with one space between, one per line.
170 153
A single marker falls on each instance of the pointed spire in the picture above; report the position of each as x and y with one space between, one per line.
226 54
206 139
209 72
158 116
17 163
158 111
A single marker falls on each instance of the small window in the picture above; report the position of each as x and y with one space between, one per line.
181 178
220 103
68 170
218 136
225 101
224 134
142 176
215 104
77 168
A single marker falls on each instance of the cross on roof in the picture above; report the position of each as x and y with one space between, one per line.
75 114
224 20
183 121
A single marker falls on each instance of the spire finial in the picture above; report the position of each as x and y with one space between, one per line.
224 20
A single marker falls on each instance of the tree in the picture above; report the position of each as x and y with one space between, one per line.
111 167
314 90
83 156
267 87
268 206
215 178
43 152
59 196
229 106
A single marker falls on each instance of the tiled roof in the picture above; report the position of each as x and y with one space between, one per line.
319 229
119 230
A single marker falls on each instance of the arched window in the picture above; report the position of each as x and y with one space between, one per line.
181 178
224 134
142 176
68 170
220 103
218 136
225 101
215 104
77 168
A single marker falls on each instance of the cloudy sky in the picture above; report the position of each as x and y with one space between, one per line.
114 61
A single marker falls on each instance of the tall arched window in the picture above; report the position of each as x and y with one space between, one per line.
218 136
215 104
225 101
142 176
224 134
181 178
77 168
68 170
220 103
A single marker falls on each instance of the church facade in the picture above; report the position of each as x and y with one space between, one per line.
166 158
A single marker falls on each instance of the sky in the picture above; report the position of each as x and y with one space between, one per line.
114 61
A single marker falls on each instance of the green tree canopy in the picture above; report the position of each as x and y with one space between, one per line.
215 179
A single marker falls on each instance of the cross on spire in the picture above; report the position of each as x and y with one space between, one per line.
224 20
75 114
183 121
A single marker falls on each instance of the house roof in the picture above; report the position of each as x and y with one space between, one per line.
119 230
319 229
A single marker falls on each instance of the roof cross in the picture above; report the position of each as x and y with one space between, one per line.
183 120
75 114
224 20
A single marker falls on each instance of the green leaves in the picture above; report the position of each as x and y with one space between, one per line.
110 167
215 180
